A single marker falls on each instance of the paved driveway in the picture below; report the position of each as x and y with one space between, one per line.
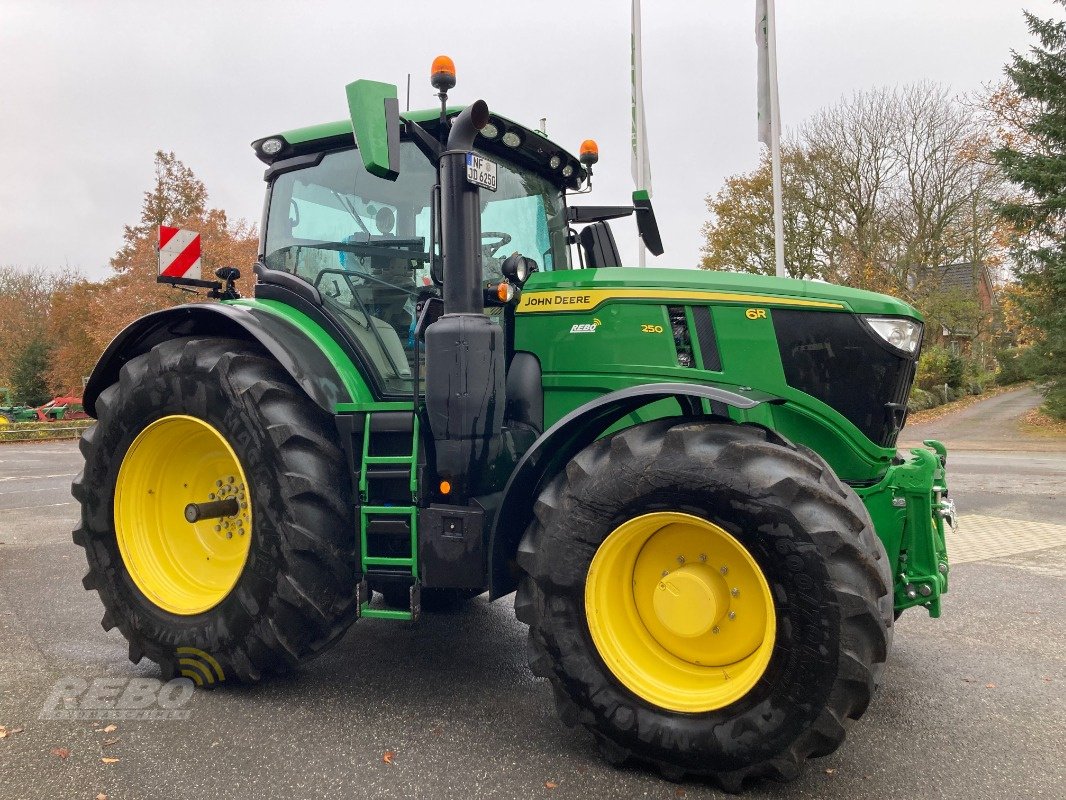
973 704
989 425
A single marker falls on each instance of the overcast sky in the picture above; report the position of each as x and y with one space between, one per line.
90 89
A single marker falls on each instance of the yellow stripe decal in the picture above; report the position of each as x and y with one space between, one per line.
588 299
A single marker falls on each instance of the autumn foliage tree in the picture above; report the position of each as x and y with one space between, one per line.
76 319
880 191
179 199
25 320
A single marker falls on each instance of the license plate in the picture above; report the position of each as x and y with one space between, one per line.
481 172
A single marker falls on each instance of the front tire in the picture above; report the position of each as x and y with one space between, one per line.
652 547
261 590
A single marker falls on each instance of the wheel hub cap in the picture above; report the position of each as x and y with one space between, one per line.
688 602
180 566
680 611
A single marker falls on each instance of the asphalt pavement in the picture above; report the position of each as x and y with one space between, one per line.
972 706
989 425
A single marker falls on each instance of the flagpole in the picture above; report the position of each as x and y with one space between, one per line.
640 145
775 142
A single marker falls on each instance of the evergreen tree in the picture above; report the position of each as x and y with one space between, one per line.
1037 164
28 382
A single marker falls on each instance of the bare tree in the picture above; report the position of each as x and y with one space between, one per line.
881 191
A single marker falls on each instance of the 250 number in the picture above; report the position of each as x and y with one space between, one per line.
651 328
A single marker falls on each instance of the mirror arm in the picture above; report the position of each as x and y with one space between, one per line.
429 146
582 214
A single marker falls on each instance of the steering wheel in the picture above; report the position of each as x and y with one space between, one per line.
499 239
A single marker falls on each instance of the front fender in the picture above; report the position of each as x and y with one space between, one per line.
565 439
296 345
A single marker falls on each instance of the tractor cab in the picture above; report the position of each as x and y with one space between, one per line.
368 245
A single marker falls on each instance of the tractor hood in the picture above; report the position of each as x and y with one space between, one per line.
585 289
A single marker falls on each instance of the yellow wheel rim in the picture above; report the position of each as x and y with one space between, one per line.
182 567
680 612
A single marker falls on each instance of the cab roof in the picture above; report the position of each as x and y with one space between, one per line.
511 140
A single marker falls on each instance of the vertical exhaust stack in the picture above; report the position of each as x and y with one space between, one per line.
464 348
461 216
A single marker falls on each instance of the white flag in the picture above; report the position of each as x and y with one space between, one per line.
641 165
762 41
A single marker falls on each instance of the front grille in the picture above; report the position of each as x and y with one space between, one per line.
834 357
701 317
682 340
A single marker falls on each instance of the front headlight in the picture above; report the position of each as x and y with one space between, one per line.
903 334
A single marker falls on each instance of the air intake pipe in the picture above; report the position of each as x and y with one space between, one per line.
464 348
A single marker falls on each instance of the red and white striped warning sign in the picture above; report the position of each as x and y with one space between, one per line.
179 253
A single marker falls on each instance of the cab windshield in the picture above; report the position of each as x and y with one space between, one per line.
364 242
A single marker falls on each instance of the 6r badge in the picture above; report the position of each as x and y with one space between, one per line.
755 313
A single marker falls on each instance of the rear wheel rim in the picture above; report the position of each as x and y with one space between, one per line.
680 612
181 567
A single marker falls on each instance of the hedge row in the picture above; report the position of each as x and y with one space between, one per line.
33 431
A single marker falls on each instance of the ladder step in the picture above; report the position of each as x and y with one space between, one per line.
388 459
387 561
384 613
394 510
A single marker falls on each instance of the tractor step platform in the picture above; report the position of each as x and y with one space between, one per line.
382 442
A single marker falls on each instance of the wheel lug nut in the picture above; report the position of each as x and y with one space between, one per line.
732 614
715 629
680 559
724 570
218 527
666 572
735 592
218 483
703 557
229 534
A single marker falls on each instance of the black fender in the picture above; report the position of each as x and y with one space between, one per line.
565 439
290 346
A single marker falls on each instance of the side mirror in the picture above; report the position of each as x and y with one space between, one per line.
597 242
647 227
375 112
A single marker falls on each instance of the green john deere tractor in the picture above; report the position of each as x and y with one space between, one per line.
9 412
447 384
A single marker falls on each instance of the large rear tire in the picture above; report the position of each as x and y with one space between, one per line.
261 590
706 597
